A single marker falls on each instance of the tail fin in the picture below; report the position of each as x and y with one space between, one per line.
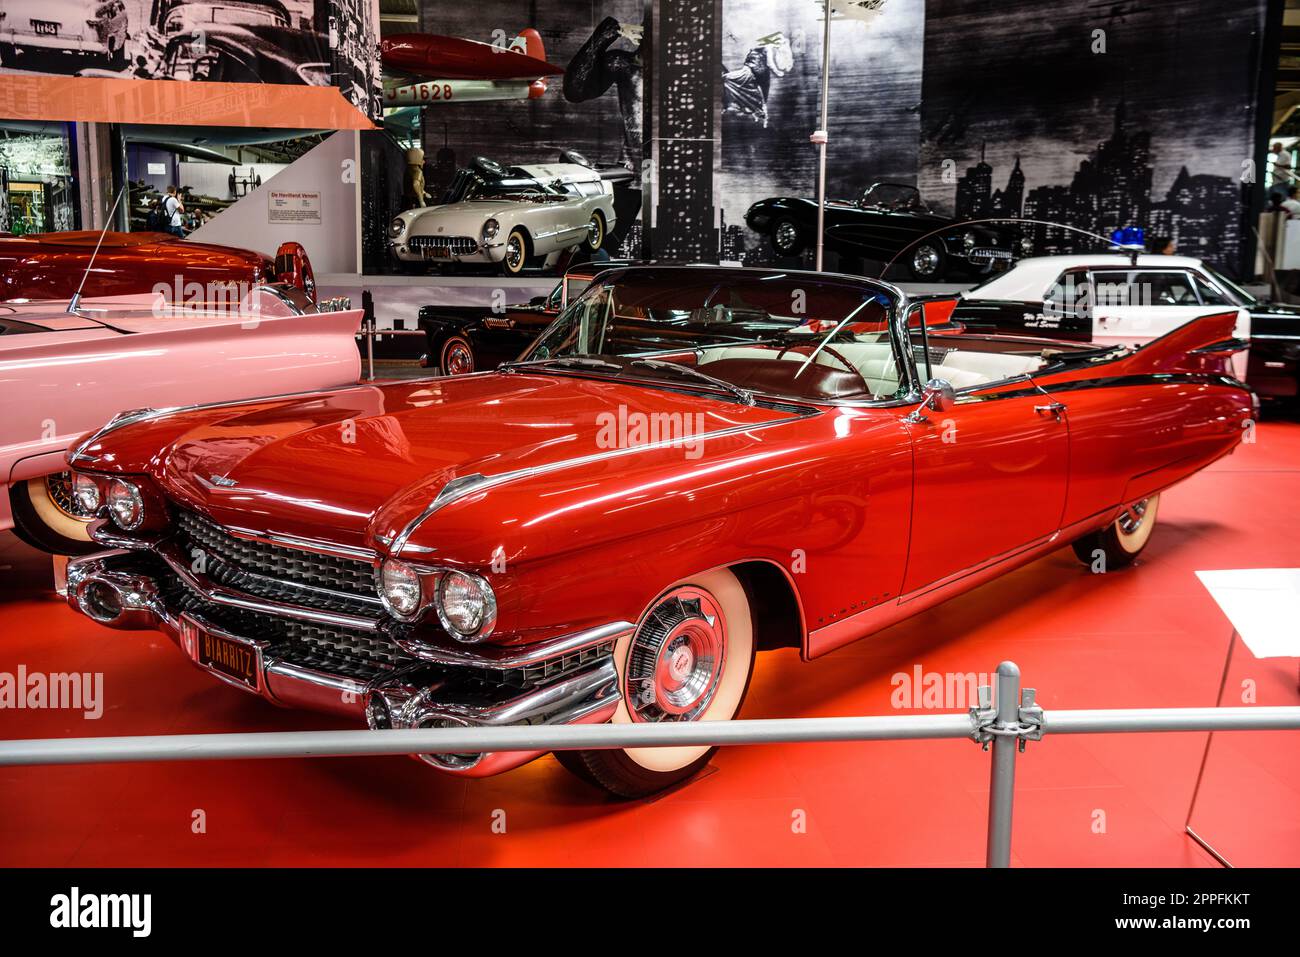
529 43
1205 344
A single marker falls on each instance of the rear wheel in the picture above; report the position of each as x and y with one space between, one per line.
44 516
1119 543
689 659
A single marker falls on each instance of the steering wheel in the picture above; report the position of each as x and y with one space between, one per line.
866 386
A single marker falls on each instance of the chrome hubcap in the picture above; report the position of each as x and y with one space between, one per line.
1131 520
925 260
786 235
593 232
676 658
514 252
457 360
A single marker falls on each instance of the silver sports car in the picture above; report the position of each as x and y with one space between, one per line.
512 216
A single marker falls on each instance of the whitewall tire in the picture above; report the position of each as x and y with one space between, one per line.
1120 542
690 658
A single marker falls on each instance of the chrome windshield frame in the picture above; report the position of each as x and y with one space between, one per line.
896 322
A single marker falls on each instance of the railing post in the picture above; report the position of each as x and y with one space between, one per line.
370 350
1002 780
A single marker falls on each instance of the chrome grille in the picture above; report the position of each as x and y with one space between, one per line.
325 648
285 566
456 245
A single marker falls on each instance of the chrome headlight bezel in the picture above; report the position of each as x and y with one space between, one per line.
968 240
120 490
487 614
396 228
396 603
1026 246
83 486
490 229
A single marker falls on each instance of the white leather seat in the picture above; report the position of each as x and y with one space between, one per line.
875 361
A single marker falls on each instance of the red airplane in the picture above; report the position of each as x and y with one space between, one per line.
453 68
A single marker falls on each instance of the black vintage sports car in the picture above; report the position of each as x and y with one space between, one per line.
464 339
889 220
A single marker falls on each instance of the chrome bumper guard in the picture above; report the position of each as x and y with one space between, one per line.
118 590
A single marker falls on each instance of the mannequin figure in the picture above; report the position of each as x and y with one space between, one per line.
413 194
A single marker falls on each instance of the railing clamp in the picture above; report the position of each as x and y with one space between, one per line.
984 720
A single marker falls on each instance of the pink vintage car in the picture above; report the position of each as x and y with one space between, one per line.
63 372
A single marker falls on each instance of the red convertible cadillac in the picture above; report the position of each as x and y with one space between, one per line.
610 528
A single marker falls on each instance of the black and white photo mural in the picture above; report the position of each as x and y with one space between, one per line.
593 109
293 42
1099 117
771 97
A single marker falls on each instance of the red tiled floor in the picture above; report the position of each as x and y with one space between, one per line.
1150 636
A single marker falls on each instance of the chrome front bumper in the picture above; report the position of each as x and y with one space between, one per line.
482 252
118 589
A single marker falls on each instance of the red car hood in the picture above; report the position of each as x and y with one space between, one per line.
362 461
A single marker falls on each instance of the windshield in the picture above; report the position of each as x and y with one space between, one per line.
773 333
1243 298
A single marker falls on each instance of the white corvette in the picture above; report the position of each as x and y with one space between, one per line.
511 216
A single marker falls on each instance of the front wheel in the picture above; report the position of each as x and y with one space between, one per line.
595 232
927 262
689 659
787 237
518 249
1119 543
44 516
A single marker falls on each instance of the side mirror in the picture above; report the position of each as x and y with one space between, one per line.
938 396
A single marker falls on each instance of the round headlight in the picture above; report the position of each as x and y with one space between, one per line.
968 241
491 228
1026 246
467 607
399 589
396 227
125 504
86 494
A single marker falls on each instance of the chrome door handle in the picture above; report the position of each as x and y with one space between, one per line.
1054 408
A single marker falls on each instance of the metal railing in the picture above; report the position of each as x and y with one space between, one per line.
1005 727
370 332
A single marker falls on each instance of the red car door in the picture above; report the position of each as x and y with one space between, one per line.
990 477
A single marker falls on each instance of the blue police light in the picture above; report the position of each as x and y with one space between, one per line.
1129 236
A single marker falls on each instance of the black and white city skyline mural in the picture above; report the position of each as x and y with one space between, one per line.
771 98
1131 114
1138 113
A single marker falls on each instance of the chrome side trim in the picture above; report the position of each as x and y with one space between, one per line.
878 617
112 425
451 492
506 657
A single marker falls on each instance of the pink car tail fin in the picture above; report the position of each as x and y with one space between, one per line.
529 43
1205 344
